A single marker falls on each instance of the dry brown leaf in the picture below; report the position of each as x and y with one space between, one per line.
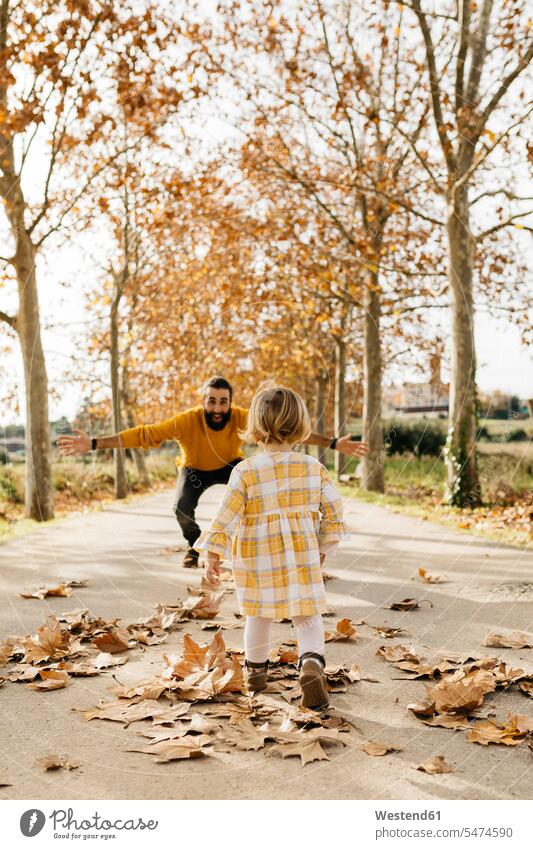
387 632
64 589
222 626
182 748
430 579
526 687
193 653
515 640
283 654
516 729
447 721
245 736
407 604
24 672
435 765
397 653
58 762
203 607
344 630
126 710
307 751
51 679
50 642
378 749
113 641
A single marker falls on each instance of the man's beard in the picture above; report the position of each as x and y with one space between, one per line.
219 425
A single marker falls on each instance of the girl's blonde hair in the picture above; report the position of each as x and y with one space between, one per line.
277 414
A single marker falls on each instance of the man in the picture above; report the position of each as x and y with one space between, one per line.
208 436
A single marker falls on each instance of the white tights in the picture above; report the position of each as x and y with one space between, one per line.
309 636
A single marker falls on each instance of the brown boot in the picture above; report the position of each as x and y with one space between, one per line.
256 675
190 561
313 681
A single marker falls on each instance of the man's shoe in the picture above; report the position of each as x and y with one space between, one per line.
313 681
190 561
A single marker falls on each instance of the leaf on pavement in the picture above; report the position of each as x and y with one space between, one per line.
182 748
445 720
344 630
378 749
526 687
283 654
307 751
113 641
51 642
386 631
515 640
64 589
407 604
51 679
511 733
430 579
435 765
245 736
58 762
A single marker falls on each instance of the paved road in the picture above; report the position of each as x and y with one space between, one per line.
119 550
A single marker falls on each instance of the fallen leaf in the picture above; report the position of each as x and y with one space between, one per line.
515 640
447 721
307 751
378 749
430 579
245 736
64 589
516 729
58 762
50 642
283 655
51 679
113 641
182 748
386 631
407 604
344 630
435 765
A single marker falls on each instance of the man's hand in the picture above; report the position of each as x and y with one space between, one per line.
212 569
354 449
76 442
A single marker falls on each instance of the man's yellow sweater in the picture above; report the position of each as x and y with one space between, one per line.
201 447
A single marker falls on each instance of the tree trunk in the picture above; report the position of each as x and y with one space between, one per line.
138 453
39 498
463 488
339 410
121 480
321 411
372 477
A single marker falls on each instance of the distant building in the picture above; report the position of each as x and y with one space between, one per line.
430 399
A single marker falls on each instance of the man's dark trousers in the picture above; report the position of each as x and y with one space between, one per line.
191 484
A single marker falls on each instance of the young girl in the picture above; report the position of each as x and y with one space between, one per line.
280 515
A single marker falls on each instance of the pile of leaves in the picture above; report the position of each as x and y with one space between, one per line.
462 682
80 644
199 704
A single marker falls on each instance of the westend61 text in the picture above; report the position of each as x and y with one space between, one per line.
65 819
407 815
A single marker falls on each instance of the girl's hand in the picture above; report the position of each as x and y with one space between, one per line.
212 567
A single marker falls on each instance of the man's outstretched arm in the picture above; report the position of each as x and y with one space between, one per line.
143 436
79 442
344 444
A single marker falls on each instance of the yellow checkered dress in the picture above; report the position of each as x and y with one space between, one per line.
279 513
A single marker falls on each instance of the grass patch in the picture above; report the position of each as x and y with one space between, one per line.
79 484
